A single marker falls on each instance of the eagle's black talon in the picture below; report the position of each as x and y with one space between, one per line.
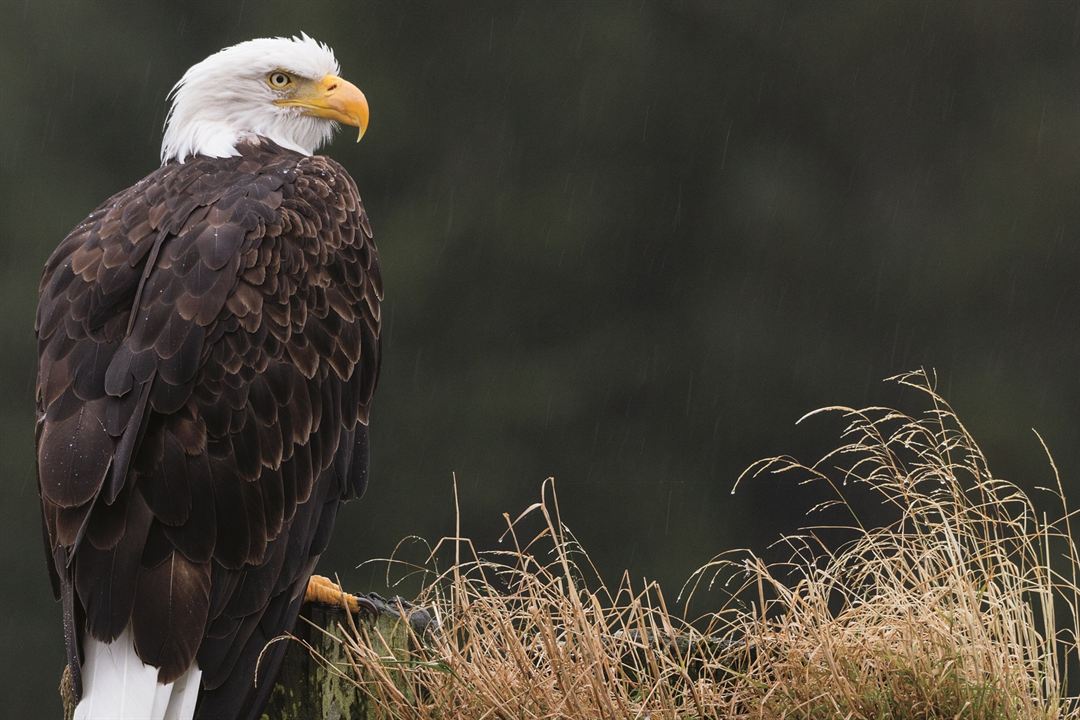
421 619
365 605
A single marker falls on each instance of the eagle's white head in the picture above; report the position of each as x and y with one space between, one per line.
283 89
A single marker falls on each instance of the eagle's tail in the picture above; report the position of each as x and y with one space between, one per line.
117 685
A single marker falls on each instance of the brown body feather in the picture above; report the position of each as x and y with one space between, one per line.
208 348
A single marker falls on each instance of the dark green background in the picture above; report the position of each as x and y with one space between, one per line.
624 243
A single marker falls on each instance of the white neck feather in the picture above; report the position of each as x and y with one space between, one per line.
218 138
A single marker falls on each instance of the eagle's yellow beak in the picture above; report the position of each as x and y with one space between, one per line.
334 99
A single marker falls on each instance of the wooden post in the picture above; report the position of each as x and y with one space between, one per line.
306 687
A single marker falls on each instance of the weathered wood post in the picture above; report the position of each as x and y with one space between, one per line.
308 687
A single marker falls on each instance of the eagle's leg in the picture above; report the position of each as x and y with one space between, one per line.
325 591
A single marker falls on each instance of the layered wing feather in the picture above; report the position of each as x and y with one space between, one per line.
208 349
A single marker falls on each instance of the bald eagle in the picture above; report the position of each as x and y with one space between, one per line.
208 347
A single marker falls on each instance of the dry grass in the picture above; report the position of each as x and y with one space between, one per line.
962 607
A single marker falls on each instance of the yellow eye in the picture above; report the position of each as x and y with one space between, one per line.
279 79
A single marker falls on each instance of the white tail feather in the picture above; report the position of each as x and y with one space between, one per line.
184 694
117 685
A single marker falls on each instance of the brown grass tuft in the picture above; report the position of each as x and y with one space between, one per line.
962 607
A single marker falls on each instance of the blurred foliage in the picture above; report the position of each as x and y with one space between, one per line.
624 243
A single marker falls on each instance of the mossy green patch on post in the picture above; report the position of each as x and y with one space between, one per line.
307 687
317 680
389 636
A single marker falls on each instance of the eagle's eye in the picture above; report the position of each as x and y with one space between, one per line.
279 80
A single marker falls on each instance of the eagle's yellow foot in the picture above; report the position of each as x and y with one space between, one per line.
325 591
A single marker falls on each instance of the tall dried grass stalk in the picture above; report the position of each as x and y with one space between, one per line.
963 606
